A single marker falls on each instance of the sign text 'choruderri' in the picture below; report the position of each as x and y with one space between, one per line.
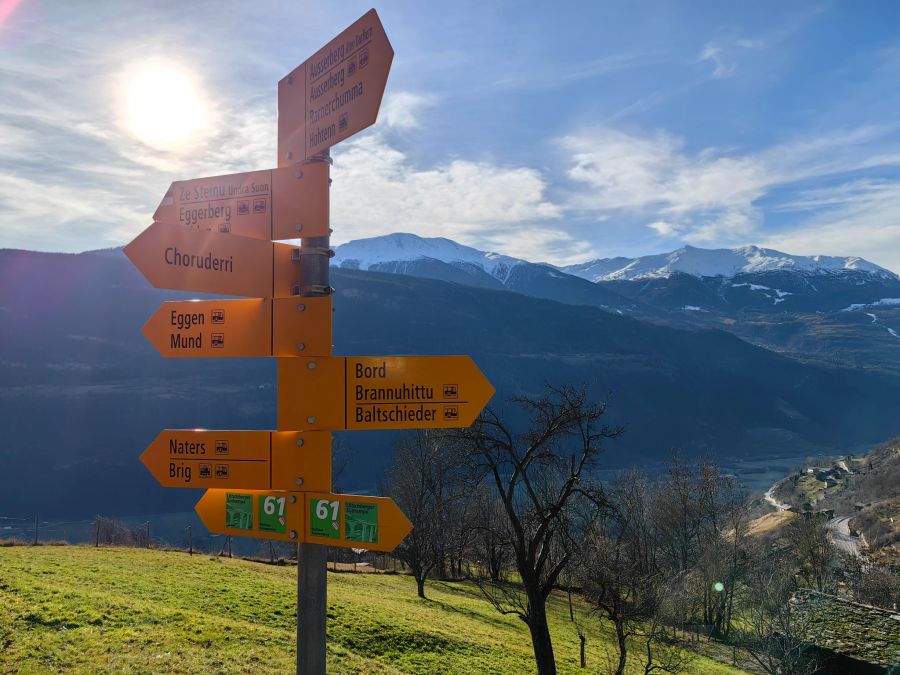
206 261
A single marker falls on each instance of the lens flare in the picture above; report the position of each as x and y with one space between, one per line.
7 7
165 108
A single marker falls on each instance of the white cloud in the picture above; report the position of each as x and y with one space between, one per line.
712 197
864 220
722 54
377 190
402 110
664 229
713 53
709 197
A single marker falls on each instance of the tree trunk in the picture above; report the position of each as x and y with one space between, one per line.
540 636
623 647
583 640
420 584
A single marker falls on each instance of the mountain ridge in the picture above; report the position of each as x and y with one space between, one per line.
376 252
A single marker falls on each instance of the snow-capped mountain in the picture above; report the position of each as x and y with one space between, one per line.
789 303
377 252
723 262
390 251
446 260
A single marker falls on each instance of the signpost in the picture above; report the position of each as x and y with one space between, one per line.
325 518
354 521
252 513
184 259
284 203
241 328
256 460
216 235
380 392
336 92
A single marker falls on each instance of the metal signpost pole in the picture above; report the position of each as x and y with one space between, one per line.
277 484
312 559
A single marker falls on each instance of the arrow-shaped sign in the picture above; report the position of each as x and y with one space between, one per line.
335 93
209 262
285 203
252 513
348 521
241 328
380 392
253 460
353 521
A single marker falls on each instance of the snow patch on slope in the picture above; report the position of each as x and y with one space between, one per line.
884 302
766 290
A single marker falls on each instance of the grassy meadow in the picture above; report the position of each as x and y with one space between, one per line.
80 609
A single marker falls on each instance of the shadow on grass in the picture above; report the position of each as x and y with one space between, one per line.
490 616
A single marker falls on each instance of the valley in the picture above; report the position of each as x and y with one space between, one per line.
71 367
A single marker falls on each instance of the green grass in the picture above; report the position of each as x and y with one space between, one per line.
809 488
79 609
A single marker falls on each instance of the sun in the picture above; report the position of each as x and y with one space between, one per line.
164 106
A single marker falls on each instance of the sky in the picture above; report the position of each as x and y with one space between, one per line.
558 132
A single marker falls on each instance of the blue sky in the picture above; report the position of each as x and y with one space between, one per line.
558 132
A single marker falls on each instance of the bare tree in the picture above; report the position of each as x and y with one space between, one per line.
701 523
773 629
424 483
618 562
539 475
722 559
817 557
662 653
577 622
872 583
490 543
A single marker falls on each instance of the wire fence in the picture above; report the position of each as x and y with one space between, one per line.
181 531
175 530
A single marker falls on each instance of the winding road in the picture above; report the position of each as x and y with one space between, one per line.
838 528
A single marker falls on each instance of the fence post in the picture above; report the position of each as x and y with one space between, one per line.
35 529
190 541
148 534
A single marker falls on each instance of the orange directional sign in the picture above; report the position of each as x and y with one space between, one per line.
335 93
241 328
277 204
253 513
253 460
380 392
209 262
353 521
349 521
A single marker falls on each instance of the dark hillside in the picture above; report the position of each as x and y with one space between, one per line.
82 392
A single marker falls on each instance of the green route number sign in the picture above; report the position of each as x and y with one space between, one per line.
271 514
360 520
323 520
